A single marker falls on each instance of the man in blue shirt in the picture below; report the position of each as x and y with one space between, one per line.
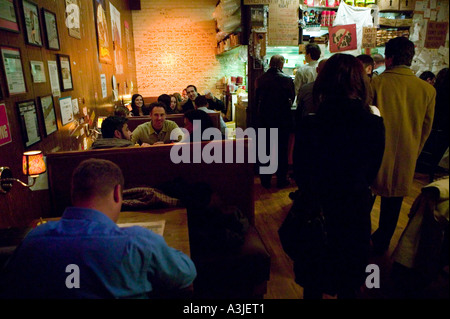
86 255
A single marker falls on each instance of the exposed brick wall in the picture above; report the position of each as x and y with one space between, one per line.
175 45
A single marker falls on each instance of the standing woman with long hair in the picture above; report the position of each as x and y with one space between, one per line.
337 155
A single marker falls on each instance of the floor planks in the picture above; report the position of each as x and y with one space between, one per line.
271 207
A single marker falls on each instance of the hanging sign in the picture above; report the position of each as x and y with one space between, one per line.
369 38
342 38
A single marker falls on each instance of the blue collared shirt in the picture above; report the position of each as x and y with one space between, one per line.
113 262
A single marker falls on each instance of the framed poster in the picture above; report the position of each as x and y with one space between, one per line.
48 114
65 104
73 9
116 33
29 122
37 71
51 29
65 73
342 38
101 26
12 65
32 23
8 16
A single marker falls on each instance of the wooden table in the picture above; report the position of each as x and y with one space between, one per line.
176 231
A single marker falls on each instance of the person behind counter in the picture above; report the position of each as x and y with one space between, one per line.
158 129
86 255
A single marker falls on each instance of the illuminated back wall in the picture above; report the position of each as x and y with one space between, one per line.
175 44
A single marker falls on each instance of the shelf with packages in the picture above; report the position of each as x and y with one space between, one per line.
393 23
229 43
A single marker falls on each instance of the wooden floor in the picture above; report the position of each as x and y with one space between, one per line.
271 207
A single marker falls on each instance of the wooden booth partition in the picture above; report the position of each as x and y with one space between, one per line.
134 121
233 274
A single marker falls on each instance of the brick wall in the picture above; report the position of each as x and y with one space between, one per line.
175 45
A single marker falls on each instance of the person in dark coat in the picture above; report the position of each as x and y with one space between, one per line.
337 154
275 93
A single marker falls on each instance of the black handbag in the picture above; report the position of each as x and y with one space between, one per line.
303 234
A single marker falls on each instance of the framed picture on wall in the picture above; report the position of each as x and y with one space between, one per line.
12 66
48 114
38 71
65 105
65 73
51 29
28 122
8 16
32 23
101 26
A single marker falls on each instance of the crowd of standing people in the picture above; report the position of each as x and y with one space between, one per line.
360 126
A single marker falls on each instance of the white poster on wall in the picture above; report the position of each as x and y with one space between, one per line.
54 80
65 105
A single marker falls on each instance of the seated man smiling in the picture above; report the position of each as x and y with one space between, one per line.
158 129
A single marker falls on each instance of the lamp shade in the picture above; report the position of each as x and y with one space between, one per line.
33 163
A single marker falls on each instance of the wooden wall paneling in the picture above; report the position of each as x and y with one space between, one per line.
21 205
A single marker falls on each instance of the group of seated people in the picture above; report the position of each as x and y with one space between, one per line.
175 103
159 130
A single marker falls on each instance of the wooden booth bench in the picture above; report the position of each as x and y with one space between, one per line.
242 273
134 121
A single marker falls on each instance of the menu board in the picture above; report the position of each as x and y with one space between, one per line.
283 23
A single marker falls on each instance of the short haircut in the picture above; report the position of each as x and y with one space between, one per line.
277 61
95 178
427 75
313 50
121 111
164 98
193 86
155 104
201 101
366 60
111 124
401 50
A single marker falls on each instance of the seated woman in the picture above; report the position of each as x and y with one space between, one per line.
137 105
175 107
196 122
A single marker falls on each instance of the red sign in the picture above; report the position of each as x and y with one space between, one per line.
5 133
342 38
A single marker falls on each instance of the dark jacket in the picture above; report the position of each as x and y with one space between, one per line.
275 93
337 155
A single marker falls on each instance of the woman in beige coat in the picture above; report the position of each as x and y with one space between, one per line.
406 104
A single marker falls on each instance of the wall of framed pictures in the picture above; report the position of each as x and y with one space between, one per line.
50 84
